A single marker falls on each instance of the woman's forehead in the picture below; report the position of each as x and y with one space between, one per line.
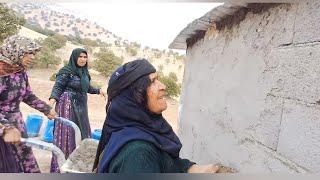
153 75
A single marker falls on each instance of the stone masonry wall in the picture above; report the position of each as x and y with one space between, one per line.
251 93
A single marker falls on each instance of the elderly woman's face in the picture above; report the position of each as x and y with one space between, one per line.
82 59
156 95
27 59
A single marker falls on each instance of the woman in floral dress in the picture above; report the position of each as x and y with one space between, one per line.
16 54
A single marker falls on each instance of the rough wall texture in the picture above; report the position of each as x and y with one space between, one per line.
250 93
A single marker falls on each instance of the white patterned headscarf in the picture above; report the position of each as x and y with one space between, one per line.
14 48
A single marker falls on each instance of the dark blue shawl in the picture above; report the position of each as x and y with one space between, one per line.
127 120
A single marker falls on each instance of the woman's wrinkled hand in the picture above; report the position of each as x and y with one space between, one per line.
103 94
225 169
210 168
52 102
11 135
52 114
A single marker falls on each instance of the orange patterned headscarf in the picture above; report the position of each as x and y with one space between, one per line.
7 69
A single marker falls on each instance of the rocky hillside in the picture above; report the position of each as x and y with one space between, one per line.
62 23
42 18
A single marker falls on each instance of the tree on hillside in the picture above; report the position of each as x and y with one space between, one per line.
117 43
160 68
37 27
167 61
10 22
131 51
173 76
135 45
146 48
88 49
54 42
106 61
75 39
179 57
157 54
46 58
89 42
172 86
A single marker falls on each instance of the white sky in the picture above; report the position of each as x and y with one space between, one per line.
151 24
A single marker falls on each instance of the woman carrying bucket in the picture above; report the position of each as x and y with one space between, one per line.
16 54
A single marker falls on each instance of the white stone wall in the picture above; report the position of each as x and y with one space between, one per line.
250 93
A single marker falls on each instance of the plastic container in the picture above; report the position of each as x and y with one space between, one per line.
33 124
96 134
48 131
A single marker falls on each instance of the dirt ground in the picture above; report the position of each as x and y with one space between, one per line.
41 86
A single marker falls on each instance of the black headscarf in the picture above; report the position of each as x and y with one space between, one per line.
73 68
127 120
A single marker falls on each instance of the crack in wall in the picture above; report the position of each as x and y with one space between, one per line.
288 163
279 131
301 44
295 99
294 24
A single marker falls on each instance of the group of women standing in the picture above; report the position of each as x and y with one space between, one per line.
69 95
135 136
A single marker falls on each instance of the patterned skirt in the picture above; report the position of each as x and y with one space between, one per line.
75 109
18 157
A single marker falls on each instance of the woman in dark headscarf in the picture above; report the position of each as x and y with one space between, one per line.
70 92
17 53
136 137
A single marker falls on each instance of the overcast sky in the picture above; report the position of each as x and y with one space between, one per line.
151 24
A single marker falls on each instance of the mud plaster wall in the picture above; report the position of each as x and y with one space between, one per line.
250 93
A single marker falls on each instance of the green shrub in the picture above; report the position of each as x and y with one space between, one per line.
167 61
88 49
131 51
53 77
46 58
89 42
135 45
37 27
106 62
173 76
10 22
54 42
65 62
173 88
96 84
160 68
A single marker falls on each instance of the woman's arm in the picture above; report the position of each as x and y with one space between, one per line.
136 158
210 168
59 86
9 134
8 131
2 127
183 164
33 101
93 90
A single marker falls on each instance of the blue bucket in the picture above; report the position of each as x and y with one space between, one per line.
48 131
96 134
34 122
